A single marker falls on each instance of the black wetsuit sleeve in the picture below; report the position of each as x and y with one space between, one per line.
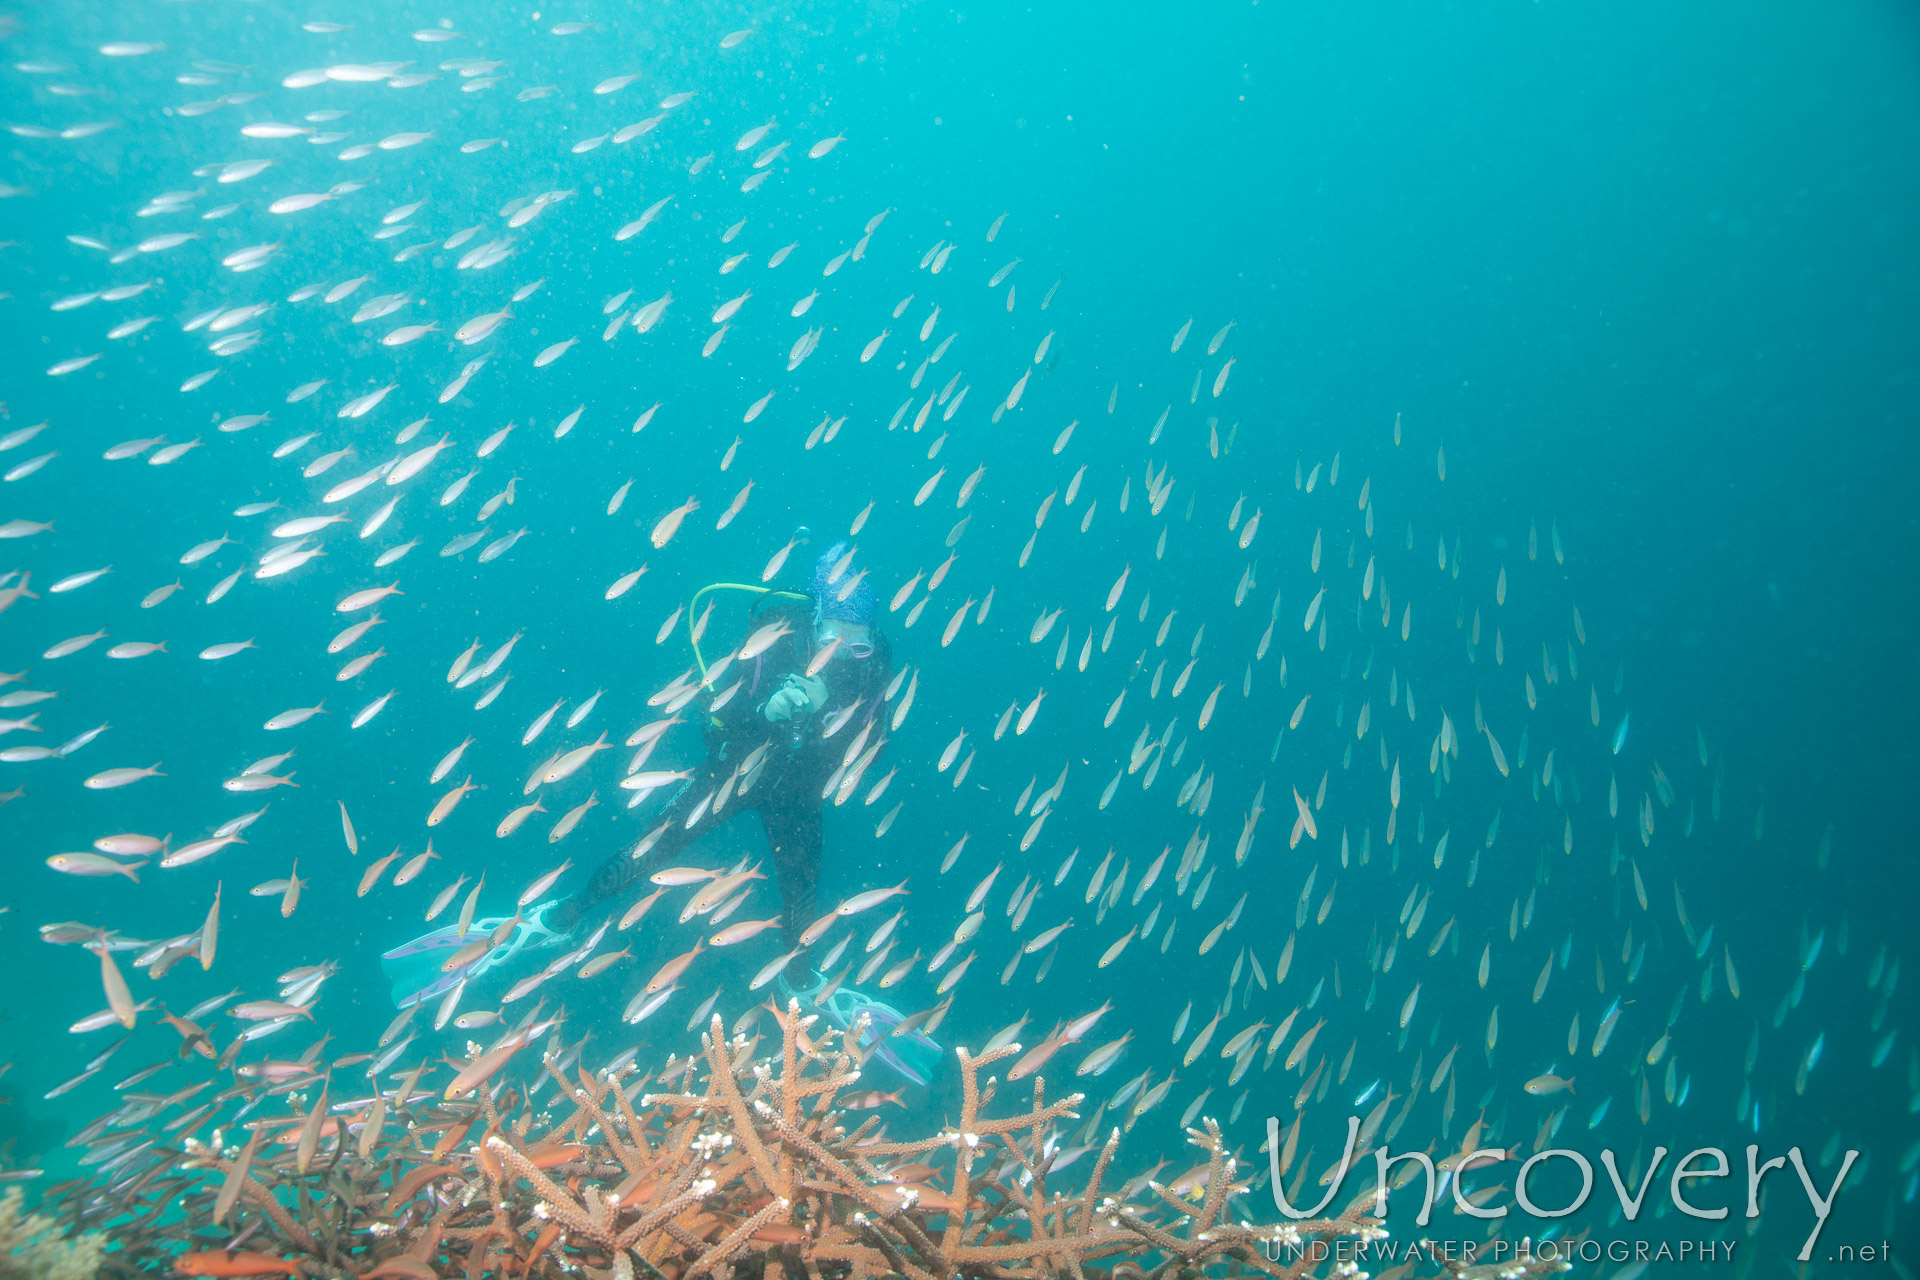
622 870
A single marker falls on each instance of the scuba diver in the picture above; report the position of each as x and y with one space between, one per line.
776 728
796 706
782 708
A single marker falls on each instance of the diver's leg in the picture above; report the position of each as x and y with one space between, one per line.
793 829
619 872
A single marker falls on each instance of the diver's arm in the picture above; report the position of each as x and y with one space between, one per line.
620 871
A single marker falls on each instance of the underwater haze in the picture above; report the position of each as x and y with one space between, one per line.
1385 531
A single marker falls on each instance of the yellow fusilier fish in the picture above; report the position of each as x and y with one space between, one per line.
639 909
600 964
772 969
745 929
445 805
571 819
369 596
478 328
264 1010
954 975
1040 941
719 890
672 969
674 877
483 1068
373 873
1298 1053
1305 822
512 822
94 864
1103 1057
763 639
1200 1040
414 866
1037 1057
669 524
871 898
567 765
444 899
657 778
1239 1042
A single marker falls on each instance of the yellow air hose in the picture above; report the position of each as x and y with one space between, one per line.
694 604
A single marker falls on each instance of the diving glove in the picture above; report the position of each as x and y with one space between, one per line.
797 698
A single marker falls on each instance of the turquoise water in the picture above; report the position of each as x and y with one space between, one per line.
1642 277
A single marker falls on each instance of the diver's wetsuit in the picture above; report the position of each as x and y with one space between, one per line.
785 792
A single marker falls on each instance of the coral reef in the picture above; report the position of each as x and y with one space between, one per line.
747 1167
33 1247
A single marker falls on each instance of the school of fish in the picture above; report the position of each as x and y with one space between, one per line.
352 343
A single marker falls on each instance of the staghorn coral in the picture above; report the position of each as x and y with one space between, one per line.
749 1168
33 1247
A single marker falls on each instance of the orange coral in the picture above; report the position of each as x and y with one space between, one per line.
749 1168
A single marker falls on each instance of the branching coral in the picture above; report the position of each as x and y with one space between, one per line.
750 1167
33 1247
